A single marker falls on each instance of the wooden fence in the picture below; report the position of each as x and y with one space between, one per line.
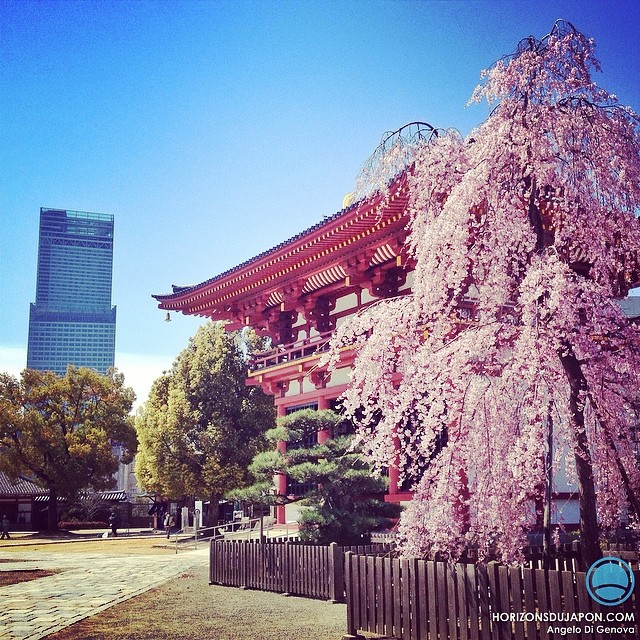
311 571
415 599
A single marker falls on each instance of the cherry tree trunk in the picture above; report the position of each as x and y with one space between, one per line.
213 512
52 510
589 533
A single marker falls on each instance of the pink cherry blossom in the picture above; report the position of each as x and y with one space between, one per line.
530 224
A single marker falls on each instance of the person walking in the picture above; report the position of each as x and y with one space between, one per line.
5 528
168 522
113 523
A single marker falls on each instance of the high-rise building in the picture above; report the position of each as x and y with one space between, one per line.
72 320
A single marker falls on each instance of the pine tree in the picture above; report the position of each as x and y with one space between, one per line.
342 496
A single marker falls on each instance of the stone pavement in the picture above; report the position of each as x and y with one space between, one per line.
86 584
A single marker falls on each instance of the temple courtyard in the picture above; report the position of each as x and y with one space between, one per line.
130 588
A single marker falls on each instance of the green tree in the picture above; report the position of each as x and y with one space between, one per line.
202 424
59 430
343 497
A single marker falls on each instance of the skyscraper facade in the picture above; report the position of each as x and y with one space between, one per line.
72 320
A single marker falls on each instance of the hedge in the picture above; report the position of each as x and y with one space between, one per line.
78 524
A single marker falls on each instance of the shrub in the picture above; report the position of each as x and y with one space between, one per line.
72 525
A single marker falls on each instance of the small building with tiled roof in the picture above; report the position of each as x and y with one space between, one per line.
18 501
25 503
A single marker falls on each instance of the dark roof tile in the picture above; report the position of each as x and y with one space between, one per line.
19 487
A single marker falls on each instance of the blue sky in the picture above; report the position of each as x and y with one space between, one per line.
215 130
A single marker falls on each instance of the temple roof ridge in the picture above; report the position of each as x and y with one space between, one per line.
181 290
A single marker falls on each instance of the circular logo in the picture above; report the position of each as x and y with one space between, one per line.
610 581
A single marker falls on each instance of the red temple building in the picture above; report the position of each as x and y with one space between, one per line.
300 291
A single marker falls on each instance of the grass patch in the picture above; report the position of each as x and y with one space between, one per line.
188 607
23 575
112 546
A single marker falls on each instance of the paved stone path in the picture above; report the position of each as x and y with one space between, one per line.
86 584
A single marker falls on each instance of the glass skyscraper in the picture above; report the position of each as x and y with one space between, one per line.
72 320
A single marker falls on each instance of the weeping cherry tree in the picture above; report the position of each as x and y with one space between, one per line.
524 236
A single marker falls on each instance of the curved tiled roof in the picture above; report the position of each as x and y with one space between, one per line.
19 487
23 487
302 262
179 290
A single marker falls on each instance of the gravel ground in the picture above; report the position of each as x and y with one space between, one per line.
189 608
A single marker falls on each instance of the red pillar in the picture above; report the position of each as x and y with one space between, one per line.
394 471
323 434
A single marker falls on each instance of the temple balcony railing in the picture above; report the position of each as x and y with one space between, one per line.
316 345
285 353
465 315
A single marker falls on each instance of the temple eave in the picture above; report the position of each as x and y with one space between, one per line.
207 298
341 238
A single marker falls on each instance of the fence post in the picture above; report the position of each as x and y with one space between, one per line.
348 582
286 567
244 564
336 573
211 561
